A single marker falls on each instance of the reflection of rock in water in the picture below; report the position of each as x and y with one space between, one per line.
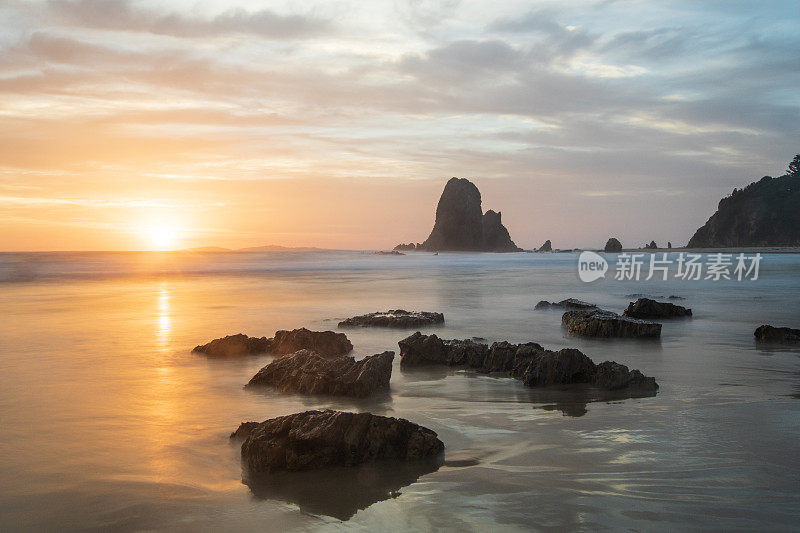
343 491
573 400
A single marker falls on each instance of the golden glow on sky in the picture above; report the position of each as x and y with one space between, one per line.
129 125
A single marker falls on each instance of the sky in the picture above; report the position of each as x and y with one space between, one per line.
128 125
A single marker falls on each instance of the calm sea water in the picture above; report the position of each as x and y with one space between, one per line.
109 422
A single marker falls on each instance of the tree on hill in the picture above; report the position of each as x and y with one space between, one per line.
794 166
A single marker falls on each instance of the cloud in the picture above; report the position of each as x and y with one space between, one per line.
121 15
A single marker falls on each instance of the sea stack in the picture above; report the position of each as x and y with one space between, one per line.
613 246
461 224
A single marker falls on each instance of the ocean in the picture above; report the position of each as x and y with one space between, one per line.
111 423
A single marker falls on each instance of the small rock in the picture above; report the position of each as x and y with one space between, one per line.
319 439
604 324
306 372
614 376
235 345
325 343
394 318
647 308
613 246
767 333
546 247
569 303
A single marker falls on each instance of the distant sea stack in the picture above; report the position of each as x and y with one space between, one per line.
765 213
461 224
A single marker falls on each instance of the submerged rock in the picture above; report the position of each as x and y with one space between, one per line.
600 323
394 318
767 333
647 308
235 345
528 362
306 372
613 246
569 303
319 439
325 343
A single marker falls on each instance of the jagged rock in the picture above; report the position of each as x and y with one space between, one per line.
569 303
410 247
465 353
306 372
767 333
613 246
614 376
461 226
669 245
325 343
528 362
394 318
557 368
600 323
546 247
319 439
235 345
419 349
647 308
765 213
651 246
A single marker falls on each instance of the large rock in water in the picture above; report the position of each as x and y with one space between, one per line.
647 308
306 372
528 362
767 333
319 439
604 324
394 318
613 246
235 345
461 225
765 213
325 343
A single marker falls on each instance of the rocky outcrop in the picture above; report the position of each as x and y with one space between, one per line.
235 345
384 252
394 318
647 308
765 213
569 303
324 343
546 247
305 372
613 246
320 439
461 226
605 324
651 246
767 333
528 362
410 247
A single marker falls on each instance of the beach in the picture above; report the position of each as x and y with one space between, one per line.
110 422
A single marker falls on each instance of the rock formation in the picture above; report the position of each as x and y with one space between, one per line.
394 318
767 333
319 439
613 246
528 362
546 247
325 343
306 372
647 308
569 303
604 324
235 345
651 246
765 213
461 226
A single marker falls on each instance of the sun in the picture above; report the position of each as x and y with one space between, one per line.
161 237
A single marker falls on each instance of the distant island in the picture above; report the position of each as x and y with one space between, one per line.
461 224
765 213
